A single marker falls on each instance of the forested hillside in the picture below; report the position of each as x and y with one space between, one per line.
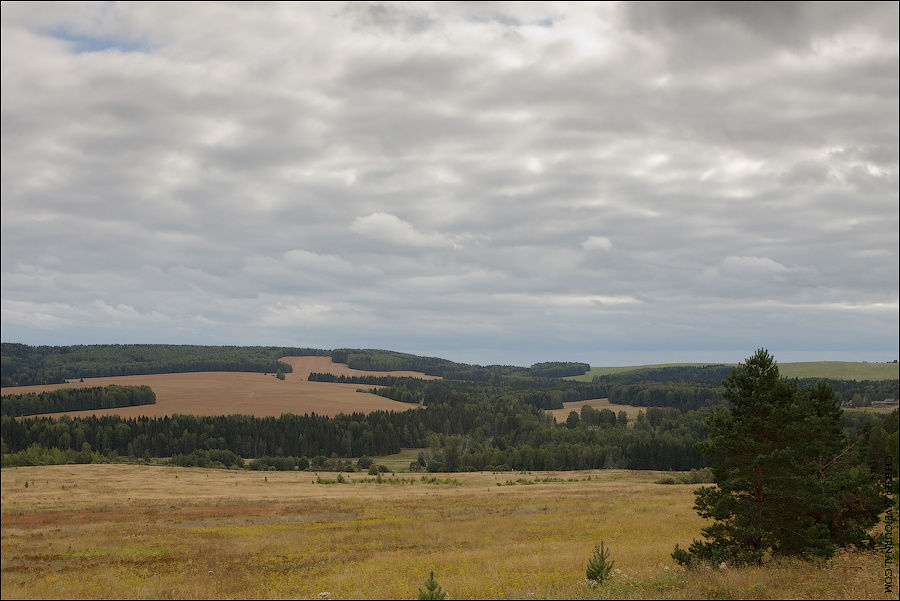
543 393
24 365
382 360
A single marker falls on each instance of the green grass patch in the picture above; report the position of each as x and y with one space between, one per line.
835 370
398 462
840 370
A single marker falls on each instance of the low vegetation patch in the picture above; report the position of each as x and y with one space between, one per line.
379 479
701 476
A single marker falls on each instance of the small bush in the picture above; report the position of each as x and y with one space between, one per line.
599 565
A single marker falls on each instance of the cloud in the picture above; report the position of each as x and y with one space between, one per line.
742 266
393 230
597 243
540 180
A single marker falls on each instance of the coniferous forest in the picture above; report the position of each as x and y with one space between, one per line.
76 399
24 365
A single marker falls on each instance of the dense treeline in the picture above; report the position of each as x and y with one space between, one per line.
556 369
683 395
382 360
24 365
598 417
374 434
369 380
76 399
858 392
38 455
542 393
471 435
661 438
711 375
506 434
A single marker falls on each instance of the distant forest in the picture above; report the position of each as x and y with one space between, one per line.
369 380
457 436
381 360
76 399
683 387
542 393
24 365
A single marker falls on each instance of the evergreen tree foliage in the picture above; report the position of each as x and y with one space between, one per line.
785 484
24 365
76 399
599 565
432 589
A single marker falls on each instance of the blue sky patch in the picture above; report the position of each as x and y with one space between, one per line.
82 43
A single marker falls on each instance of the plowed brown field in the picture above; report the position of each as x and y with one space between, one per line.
222 393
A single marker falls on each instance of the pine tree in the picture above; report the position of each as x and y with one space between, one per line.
432 589
784 486
599 566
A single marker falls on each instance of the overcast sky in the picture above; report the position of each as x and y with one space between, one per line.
491 183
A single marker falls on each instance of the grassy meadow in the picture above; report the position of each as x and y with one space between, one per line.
134 531
836 370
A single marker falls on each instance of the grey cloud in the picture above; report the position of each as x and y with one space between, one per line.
527 179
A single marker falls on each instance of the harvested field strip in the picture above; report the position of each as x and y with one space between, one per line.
303 366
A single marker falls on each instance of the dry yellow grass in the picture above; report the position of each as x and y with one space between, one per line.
128 531
561 414
219 393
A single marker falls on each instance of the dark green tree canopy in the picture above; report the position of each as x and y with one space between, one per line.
785 485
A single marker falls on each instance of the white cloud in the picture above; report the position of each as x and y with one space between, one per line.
597 243
393 230
741 266
566 300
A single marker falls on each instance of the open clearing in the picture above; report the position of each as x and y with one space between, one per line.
221 393
561 414
110 531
